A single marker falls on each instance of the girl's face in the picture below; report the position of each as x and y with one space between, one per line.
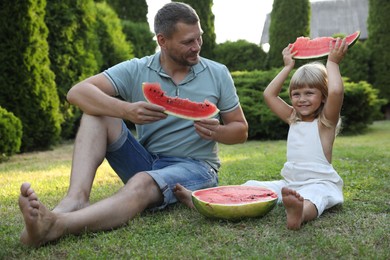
306 102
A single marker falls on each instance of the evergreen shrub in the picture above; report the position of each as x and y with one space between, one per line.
241 55
141 37
10 134
361 106
73 51
113 44
27 86
263 124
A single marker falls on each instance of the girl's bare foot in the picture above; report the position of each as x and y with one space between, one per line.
183 195
293 202
39 221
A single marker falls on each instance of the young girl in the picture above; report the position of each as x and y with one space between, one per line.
310 184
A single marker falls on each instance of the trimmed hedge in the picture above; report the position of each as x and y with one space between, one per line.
10 133
241 55
263 124
361 106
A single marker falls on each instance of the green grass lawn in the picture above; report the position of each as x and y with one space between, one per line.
357 230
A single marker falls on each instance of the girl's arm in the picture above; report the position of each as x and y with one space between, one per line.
334 101
271 93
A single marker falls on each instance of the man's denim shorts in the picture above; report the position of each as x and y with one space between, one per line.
128 157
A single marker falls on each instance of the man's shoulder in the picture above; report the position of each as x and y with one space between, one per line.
213 66
211 63
146 60
135 64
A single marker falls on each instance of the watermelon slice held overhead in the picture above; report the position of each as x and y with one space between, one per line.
318 47
234 202
183 108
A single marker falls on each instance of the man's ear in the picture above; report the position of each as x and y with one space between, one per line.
161 40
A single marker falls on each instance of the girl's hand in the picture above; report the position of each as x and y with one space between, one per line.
288 56
338 49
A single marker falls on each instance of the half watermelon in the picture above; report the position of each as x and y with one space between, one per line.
234 202
183 108
319 47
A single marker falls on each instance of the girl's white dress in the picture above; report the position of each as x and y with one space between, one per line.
307 170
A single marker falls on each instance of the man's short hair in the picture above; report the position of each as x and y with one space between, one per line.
172 13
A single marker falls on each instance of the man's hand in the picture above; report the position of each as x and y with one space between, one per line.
207 128
144 113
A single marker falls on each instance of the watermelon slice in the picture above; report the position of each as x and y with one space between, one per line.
183 108
318 47
234 202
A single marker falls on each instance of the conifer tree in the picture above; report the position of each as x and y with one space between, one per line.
74 51
378 44
289 20
112 40
27 86
133 14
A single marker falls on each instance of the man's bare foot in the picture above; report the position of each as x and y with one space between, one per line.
39 221
68 204
183 195
293 202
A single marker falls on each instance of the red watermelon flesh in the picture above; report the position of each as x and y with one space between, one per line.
235 194
234 201
319 47
183 108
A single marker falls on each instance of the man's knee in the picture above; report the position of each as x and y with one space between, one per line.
142 180
110 125
146 187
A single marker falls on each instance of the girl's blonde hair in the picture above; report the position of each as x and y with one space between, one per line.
312 75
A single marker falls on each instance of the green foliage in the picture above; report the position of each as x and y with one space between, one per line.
241 55
361 106
378 43
204 10
263 124
289 20
133 10
10 133
74 51
133 15
141 37
27 86
113 44
355 65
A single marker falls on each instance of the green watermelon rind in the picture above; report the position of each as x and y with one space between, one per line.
234 211
325 54
192 118
167 111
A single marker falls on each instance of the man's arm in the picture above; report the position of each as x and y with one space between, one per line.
95 96
233 130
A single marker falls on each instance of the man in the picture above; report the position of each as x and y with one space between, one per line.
169 150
